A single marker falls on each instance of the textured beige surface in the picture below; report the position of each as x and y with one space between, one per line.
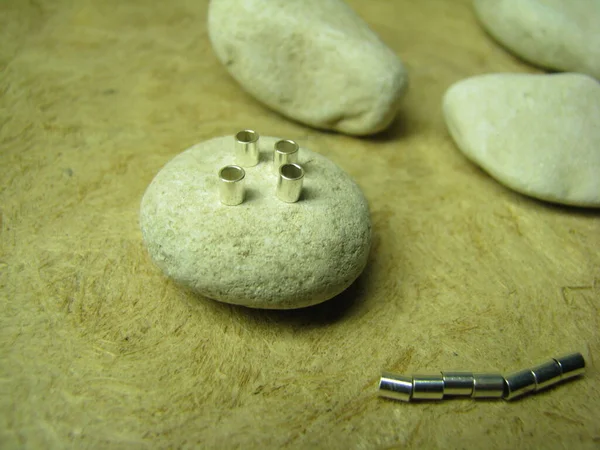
537 134
99 351
315 61
263 253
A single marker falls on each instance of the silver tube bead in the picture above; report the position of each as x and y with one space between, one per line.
546 374
231 185
284 152
571 365
458 383
428 387
396 387
488 385
289 183
246 148
518 384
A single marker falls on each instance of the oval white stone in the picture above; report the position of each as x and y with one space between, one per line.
537 134
314 61
555 34
264 253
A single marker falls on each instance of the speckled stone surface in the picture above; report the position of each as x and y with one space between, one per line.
554 34
315 61
537 134
263 253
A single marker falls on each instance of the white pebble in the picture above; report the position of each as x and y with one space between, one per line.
263 253
314 61
554 34
537 134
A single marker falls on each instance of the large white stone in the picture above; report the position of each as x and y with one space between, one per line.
537 134
263 253
314 61
555 34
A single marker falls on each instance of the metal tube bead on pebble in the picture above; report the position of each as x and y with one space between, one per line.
289 183
396 387
246 148
231 185
458 383
488 385
428 387
284 152
518 384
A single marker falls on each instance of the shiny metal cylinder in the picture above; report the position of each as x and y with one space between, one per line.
231 185
458 383
246 148
284 152
488 385
289 183
397 387
571 365
428 387
518 384
546 374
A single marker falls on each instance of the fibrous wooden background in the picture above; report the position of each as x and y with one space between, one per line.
99 350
